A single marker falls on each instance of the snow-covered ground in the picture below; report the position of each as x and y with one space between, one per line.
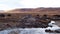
30 30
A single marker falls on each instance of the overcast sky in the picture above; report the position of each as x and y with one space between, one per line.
11 4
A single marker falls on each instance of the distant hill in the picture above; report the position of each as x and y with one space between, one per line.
36 10
40 10
2 11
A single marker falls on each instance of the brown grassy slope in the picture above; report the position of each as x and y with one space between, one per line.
49 11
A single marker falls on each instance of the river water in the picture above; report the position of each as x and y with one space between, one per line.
24 31
27 31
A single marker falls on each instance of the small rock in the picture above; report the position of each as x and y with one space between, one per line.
48 30
57 31
14 32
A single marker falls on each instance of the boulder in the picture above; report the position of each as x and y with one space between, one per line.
48 30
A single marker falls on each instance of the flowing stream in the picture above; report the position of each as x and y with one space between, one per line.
28 30
24 31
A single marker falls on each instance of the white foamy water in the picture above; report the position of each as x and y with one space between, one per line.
54 27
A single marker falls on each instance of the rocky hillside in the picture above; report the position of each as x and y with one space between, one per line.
22 17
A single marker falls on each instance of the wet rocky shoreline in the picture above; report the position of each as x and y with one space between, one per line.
25 22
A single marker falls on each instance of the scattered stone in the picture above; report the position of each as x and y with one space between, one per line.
29 21
1 29
57 31
48 30
53 31
14 32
